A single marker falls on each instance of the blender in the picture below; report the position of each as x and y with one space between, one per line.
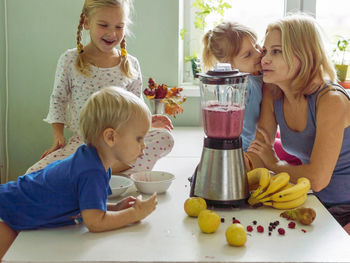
220 177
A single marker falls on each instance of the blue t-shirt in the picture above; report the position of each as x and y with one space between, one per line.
252 109
55 195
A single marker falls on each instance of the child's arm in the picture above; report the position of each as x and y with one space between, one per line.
122 204
58 138
99 221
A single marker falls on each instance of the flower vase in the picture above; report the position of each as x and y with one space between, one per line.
157 106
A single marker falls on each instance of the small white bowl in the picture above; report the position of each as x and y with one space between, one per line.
148 182
119 184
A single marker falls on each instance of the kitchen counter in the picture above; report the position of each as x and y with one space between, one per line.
169 235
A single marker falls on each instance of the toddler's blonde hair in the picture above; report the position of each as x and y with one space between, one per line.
110 107
88 10
302 38
223 43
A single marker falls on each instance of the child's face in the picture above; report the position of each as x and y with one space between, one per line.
275 68
106 25
249 57
130 139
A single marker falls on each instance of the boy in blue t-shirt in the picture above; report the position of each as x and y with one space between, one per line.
113 124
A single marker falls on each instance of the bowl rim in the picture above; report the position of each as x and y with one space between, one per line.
130 182
149 182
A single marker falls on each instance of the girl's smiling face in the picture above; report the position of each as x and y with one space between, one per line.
106 25
274 66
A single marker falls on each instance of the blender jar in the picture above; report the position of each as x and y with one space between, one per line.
223 93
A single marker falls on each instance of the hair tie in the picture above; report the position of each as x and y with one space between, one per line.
123 52
80 48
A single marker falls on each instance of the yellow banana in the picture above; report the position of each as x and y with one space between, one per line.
300 188
276 183
289 204
261 175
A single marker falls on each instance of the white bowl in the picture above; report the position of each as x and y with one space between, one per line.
148 182
119 184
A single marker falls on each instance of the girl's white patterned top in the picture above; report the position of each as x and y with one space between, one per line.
72 89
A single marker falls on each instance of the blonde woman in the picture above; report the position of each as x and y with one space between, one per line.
313 113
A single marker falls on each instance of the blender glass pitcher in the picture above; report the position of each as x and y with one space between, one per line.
223 93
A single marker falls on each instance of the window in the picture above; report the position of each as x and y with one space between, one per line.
332 16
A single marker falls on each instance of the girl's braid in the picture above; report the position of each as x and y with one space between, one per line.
125 65
80 46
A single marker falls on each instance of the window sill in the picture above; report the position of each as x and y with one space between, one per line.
190 89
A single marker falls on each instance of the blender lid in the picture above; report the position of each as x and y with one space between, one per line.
223 72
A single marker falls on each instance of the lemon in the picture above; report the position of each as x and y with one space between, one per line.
194 205
236 235
208 221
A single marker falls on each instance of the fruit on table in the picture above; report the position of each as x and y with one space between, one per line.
194 205
276 183
236 235
303 215
258 180
208 221
279 192
288 204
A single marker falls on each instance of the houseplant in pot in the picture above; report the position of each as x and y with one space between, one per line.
340 52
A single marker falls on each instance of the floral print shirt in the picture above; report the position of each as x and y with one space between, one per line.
72 89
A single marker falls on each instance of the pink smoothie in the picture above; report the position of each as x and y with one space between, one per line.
224 122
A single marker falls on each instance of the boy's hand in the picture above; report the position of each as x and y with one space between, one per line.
58 142
144 207
124 203
162 121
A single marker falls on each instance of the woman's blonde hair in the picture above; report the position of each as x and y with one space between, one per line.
222 43
302 38
110 107
88 10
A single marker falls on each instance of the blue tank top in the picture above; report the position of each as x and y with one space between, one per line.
252 109
301 143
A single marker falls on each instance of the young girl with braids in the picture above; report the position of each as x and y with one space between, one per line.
86 69
234 43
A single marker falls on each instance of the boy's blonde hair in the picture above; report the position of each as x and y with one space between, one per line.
223 43
110 107
302 38
88 10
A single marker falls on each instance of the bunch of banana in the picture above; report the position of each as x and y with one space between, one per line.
277 191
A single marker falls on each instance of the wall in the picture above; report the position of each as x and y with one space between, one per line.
39 31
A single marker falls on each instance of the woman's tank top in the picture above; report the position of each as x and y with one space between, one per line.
301 143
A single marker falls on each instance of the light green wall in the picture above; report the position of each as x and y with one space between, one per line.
39 31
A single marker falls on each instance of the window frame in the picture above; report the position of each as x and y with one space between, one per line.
186 18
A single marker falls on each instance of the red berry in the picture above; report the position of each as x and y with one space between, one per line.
291 224
249 228
236 221
260 229
281 231
303 230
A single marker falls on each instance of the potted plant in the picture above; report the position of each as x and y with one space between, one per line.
340 51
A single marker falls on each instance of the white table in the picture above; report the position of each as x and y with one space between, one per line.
169 235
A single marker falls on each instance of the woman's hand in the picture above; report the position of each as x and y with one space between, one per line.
162 121
264 149
58 142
